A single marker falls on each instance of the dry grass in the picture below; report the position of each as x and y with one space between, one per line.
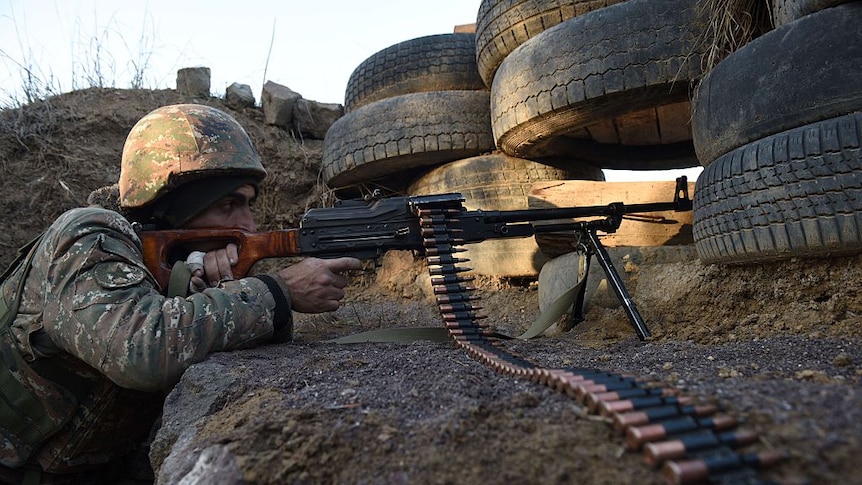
93 64
730 24
29 128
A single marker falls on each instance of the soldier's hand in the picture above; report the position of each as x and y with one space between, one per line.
216 268
317 285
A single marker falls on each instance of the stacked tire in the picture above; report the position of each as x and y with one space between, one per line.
413 105
418 121
606 82
583 85
502 26
778 126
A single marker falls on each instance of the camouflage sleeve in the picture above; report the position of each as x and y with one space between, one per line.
103 306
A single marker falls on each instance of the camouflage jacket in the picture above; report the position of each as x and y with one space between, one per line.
102 344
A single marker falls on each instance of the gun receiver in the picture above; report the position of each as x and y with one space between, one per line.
366 229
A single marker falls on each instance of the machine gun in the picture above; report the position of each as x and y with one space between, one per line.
433 225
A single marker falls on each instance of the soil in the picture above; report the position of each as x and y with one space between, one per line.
779 346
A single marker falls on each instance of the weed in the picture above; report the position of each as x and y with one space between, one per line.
729 25
92 63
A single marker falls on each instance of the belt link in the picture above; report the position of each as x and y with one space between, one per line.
455 296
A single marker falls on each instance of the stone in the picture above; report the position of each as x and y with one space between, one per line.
239 96
312 119
194 82
278 102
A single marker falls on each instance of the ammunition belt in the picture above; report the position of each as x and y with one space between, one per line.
692 443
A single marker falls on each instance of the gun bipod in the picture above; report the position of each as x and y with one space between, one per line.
596 249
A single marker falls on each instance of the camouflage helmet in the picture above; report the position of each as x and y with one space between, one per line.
175 144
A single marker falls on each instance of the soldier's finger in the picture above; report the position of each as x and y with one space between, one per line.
232 253
339 265
224 264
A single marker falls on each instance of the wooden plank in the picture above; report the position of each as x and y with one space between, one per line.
653 229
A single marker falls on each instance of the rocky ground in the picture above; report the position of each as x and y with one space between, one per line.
765 350
778 346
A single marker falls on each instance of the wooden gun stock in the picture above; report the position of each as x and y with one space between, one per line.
158 245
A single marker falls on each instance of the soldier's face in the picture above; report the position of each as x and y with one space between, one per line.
232 211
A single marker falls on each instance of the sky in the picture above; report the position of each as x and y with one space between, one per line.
310 46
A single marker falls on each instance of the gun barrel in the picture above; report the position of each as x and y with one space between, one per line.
681 202
552 213
547 214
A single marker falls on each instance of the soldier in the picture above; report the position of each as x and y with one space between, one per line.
91 344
